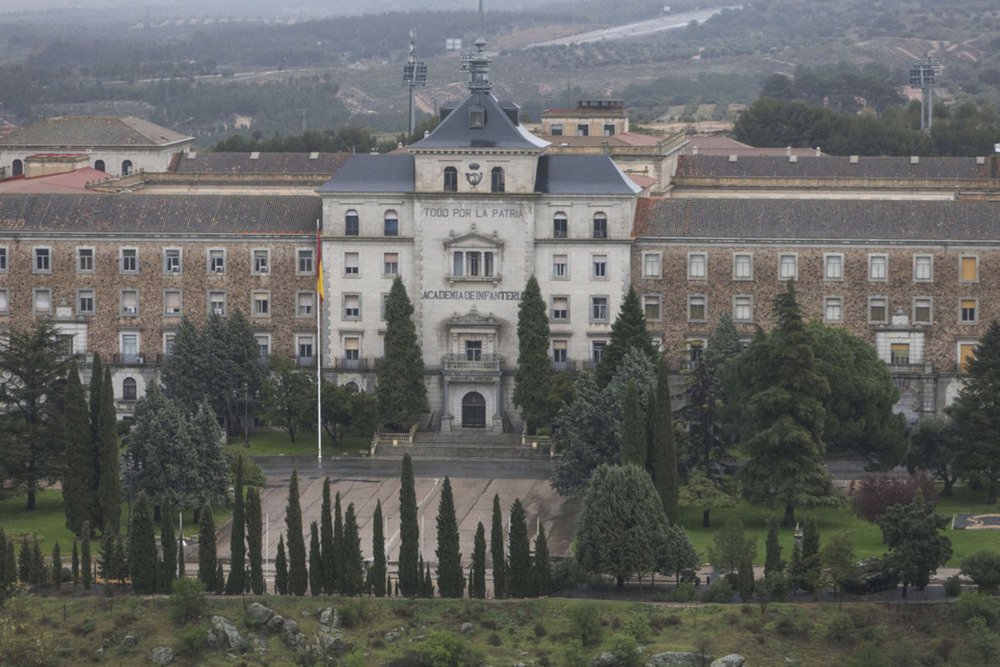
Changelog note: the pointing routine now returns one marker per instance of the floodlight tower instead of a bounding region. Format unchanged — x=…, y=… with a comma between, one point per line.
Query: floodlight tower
x=922, y=76
x=414, y=74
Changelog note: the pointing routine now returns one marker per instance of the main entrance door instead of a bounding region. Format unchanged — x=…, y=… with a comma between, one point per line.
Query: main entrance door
x=473, y=410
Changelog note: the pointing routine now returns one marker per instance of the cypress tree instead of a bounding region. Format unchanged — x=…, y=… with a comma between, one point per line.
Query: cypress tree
x=810, y=552
x=409, y=532
x=181, y=565
x=744, y=579
x=428, y=583
x=109, y=494
x=298, y=576
x=281, y=569
x=120, y=560
x=220, y=578
x=451, y=577
x=40, y=573
x=79, y=501
x=772, y=558
x=326, y=541
x=352, y=561
x=11, y=566
x=255, y=541
x=402, y=395
x=633, y=429
x=168, y=543
x=533, y=375
x=796, y=568
x=543, y=565
x=237, y=544
x=96, y=379
x=75, y=566
x=498, y=551
x=519, y=583
x=338, y=546
x=477, y=582
x=106, y=566
x=142, y=556
x=315, y=561
x=86, y=569
x=627, y=332
x=207, y=555
x=24, y=562
x=663, y=450
x=56, y=566
x=378, y=553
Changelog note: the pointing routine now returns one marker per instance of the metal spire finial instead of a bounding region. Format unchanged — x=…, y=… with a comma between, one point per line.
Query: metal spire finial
x=477, y=63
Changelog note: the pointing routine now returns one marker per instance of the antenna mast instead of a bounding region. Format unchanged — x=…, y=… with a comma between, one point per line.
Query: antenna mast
x=414, y=74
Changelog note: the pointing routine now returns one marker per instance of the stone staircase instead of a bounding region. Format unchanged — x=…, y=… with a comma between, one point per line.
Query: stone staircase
x=463, y=444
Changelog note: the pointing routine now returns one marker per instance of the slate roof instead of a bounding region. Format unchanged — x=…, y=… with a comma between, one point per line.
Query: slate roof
x=581, y=175
x=757, y=166
x=818, y=219
x=159, y=214
x=92, y=131
x=497, y=132
x=372, y=173
x=324, y=164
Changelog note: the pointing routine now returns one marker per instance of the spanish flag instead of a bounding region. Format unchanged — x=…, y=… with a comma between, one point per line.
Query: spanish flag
x=319, y=265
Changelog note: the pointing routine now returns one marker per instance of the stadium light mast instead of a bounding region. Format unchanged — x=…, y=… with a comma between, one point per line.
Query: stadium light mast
x=414, y=74
x=922, y=76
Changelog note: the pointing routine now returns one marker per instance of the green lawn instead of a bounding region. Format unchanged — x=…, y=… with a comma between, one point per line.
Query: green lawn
x=279, y=444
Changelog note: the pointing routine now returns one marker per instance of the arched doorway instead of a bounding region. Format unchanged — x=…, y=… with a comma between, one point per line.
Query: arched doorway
x=473, y=410
x=126, y=167
x=17, y=169
x=99, y=165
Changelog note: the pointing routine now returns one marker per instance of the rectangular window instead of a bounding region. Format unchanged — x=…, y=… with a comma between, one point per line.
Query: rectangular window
x=559, y=350
x=168, y=343
x=305, y=261
x=84, y=260
x=598, y=309
x=352, y=224
x=597, y=350
x=600, y=227
x=473, y=262
x=651, y=307
x=261, y=304
x=43, y=260
x=42, y=300
x=172, y=302
x=743, y=308
x=129, y=302
x=697, y=308
x=966, y=351
x=391, y=226
x=560, y=227
x=833, y=309
x=967, y=311
x=217, y=261
x=878, y=309
x=390, y=264
x=217, y=303
x=582, y=130
x=263, y=346
x=381, y=315
x=742, y=266
x=923, y=268
x=899, y=353
x=968, y=268
x=609, y=129
x=172, y=260
x=352, y=350
x=922, y=310
x=3, y=259
x=304, y=304
x=560, y=266
x=697, y=266
x=788, y=267
x=833, y=267
x=473, y=350
x=352, y=264
x=85, y=302
x=261, y=261
x=560, y=308
x=4, y=301
x=878, y=267
x=651, y=263
x=600, y=263
x=129, y=346
x=129, y=260
x=556, y=129
x=304, y=350
x=352, y=306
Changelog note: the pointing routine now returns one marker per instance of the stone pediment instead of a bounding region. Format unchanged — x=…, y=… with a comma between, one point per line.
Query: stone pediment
x=473, y=239
x=472, y=319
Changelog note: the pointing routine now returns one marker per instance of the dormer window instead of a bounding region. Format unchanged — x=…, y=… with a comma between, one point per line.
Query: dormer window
x=450, y=179
x=497, y=180
x=477, y=118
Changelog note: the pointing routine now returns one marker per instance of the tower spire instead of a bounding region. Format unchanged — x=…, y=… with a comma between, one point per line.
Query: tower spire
x=477, y=63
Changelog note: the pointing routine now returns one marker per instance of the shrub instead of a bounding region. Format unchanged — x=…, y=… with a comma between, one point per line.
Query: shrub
x=193, y=639
x=445, y=649
x=494, y=639
x=874, y=494
x=566, y=575
x=637, y=625
x=540, y=630
x=971, y=604
x=983, y=567
x=840, y=629
x=187, y=599
x=684, y=592
x=953, y=586
x=721, y=591
x=624, y=650
x=354, y=613
x=585, y=619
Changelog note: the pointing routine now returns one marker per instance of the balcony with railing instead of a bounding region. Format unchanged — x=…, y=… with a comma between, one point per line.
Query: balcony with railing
x=129, y=359
x=305, y=361
x=568, y=365
x=348, y=364
x=461, y=364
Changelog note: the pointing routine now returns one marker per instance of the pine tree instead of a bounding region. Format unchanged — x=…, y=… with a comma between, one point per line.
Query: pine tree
x=281, y=568
x=79, y=500
x=353, y=563
x=338, y=545
x=409, y=532
x=662, y=449
x=451, y=577
x=254, y=541
x=627, y=332
x=315, y=561
x=237, y=543
x=109, y=494
x=519, y=583
x=142, y=556
x=378, y=553
x=56, y=566
x=326, y=542
x=402, y=395
x=498, y=551
x=207, y=555
x=75, y=566
x=772, y=548
x=86, y=569
x=543, y=566
x=298, y=576
x=533, y=375
x=477, y=580
x=168, y=543
x=633, y=429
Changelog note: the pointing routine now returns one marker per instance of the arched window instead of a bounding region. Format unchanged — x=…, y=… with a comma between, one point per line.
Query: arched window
x=391, y=223
x=129, y=392
x=352, y=225
x=352, y=387
x=126, y=167
x=17, y=169
x=99, y=165
x=560, y=227
x=600, y=226
x=450, y=179
x=496, y=180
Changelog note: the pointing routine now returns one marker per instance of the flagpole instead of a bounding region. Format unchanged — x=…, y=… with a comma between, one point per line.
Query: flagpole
x=319, y=347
